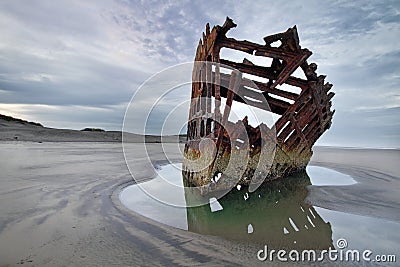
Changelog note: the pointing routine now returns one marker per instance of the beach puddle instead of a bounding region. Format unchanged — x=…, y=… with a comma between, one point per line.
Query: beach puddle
x=275, y=215
x=321, y=176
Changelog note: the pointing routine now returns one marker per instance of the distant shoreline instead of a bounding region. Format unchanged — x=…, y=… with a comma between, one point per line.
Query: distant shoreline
x=12, y=129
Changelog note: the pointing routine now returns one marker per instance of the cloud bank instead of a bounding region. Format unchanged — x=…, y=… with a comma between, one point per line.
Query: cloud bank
x=74, y=64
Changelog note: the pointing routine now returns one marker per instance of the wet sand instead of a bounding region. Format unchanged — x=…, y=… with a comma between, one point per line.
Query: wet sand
x=377, y=172
x=59, y=206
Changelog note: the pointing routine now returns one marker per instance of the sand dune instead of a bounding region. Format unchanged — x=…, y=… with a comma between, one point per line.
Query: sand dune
x=20, y=130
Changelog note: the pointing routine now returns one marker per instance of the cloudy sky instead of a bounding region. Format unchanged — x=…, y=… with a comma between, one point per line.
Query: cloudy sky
x=75, y=64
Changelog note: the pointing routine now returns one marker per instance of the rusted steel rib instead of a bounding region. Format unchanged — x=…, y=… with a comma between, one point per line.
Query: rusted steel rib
x=305, y=113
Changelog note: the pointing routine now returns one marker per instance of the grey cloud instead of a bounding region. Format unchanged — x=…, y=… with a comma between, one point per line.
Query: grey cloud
x=75, y=80
x=87, y=58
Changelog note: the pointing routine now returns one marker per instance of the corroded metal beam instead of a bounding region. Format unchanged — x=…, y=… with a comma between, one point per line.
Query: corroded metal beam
x=305, y=113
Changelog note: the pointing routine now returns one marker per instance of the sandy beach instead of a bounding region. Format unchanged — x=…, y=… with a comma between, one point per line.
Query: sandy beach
x=27, y=131
x=60, y=206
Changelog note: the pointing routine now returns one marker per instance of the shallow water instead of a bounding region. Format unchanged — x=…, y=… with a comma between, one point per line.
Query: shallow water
x=276, y=215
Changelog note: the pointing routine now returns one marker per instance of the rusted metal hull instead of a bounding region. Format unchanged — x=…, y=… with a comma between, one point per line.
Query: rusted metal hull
x=261, y=153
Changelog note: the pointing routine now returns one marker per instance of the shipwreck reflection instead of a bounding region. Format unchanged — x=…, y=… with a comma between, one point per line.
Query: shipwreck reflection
x=275, y=214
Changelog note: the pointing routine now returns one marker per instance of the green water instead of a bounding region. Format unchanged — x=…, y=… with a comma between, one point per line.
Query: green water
x=276, y=213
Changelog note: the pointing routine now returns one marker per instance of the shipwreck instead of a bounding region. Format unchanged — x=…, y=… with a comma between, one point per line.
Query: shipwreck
x=219, y=153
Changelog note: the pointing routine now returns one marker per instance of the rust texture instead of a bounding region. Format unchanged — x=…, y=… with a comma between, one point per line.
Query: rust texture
x=305, y=113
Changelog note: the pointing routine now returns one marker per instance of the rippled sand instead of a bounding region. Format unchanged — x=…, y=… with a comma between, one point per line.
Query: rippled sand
x=59, y=206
